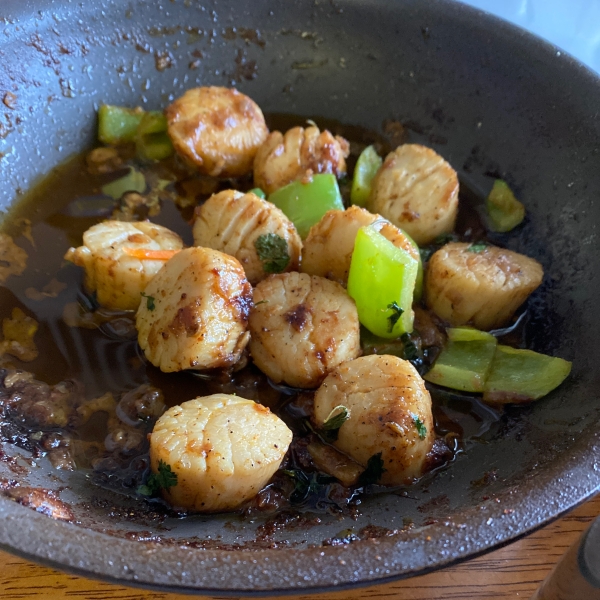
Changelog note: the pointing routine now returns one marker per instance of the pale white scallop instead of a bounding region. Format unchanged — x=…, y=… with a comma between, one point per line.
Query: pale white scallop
x=299, y=152
x=389, y=413
x=301, y=327
x=223, y=450
x=117, y=278
x=328, y=248
x=417, y=190
x=216, y=129
x=483, y=288
x=233, y=222
x=195, y=312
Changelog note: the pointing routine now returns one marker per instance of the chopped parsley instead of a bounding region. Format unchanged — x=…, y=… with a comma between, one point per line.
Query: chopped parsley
x=421, y=429
x=261, y=302
x=477, y=247
x=396, y=314
x=149, y=301
x=163, y=480
x=373, y=471
x=306, y=485
x=272, y=250
x=410, y=348
x=337, y=417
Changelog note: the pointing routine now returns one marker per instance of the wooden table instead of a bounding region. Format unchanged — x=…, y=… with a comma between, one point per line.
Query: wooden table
x=512, y=572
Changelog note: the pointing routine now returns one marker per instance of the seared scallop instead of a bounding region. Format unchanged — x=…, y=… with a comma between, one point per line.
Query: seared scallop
x=389, y=414
x=219, y=130
x=119, y=278
x=417, y=190
x=479, y=285
x=301, y=328
x=298, y=154
x=328, y=248
x=221, y=449
x=195, y=312
x=253, y=230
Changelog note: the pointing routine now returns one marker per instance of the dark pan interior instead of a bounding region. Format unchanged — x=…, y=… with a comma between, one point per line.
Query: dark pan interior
x=490, y=98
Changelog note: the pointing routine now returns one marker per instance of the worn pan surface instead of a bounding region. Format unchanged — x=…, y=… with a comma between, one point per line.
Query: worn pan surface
x=490, y=98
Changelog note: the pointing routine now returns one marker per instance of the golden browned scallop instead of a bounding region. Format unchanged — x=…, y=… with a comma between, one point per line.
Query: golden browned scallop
x=327, y=250
x=417, y=190
x=118, y=278
x=389, y=412
x=300, y=152
x=222, y=450
x=253, y=230
x=195, y=312
x=219, y=130
x=479, y=286
x=302, y=327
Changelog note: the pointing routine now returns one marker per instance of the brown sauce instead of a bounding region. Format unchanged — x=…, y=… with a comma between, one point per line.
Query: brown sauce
x=106, y=358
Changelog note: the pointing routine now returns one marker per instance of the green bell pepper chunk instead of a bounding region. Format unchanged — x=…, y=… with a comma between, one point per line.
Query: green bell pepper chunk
x=258, y=192
x=382, y=282
x=367, y=165
x=523, y=375
x=306, y=203
x=117, y=124
x=134, y=181
x=151, y=140
x=504, y=210
x=465, y=361
x=420, y=273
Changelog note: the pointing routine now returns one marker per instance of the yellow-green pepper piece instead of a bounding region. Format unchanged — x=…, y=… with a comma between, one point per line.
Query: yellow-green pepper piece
x=305, y=203
x=151, y=140
x=504, y=210
x=258, y=192
x=523, y=375
x=382, y=283
x=465, y=361
x=420, y=273
x=367, y=165
x=117, y=124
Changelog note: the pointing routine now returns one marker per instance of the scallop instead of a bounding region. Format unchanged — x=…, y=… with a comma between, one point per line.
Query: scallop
x=328, y=248
x=195, y=313
x=222, y=450
x=236, y=223
x=479, y=285
x=389, y=415
x=216, y=129
x=117, y=278
x=417, y=190
x=298, y=154
x=302, y=327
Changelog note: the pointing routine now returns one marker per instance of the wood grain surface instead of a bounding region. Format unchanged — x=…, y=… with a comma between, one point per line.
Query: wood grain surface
x=511, y=572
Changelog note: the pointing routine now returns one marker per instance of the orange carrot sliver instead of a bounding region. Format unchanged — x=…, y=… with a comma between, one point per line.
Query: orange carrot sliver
x=145, y=254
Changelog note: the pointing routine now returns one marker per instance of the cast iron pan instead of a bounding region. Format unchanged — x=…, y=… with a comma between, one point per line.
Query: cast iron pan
x=492, y=99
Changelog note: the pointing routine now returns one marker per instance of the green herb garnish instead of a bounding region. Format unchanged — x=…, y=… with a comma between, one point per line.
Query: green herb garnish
x=163, y=480
x=306, y=485
x=272, y=250
x=373, y=471
x=337, y=417
x=421, y=429
x=396, y=314
x=477, y=247
x=261, y=302
x=149, y=301
x=410, y=348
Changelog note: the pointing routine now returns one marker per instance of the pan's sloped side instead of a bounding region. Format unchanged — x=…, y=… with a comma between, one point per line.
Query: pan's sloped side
x=491, y=99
